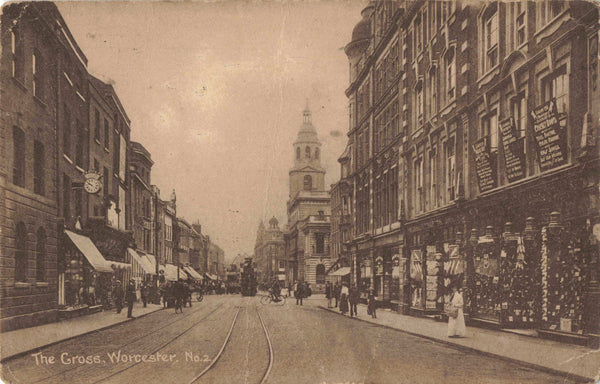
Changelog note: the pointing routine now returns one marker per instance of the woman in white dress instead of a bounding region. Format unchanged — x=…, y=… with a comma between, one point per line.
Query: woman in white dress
x=456, y=325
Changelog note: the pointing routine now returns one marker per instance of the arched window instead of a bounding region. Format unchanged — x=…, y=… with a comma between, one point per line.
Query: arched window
x=317, y=153
x=308, y=183
x=307, y=150
x=40, y=255
x=320, y=274
x=298, y=153
x=21, y=252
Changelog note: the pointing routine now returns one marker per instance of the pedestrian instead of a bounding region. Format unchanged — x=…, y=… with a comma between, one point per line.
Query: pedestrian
x=344, y=299
x=178, y=292
x=306, y=290
x=144, y=291
x=353, y=298
x=130, y=298
x=299, y=293
x=336, y=293
x=117, y=295
x=371, y=305
x=456, y=317
x=188, y=294
x=328, y=293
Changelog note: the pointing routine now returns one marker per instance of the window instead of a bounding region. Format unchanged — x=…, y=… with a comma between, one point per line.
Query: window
x=67, y=132
x=489, y=127
x=490, y=38
x=450, y=74
x=79, y=149
x=66, y=197
x=317, y=154
x=97, y=122
x=320, y=243
x=556, y=86
x=117, y=153
x=18, y=157
x=450, y=150
x=96, y=165
x=18, y=62
x=418, y=177
x=433, y=92
x=298, y=153
x=520, y=25
x=105, y=179
x=21, y=252
x=106, y=134
x=548, y=10
x=39, y=167
x=40, y=255
x=38, y=72
x=307, y=182
x=432, y=178
x=518, y=106
x=320, y=274
x=78, y=202
x=419, y=102
x=307, y=152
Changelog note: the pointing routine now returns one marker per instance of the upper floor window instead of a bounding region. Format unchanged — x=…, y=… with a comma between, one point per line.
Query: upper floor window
x=67, y=132
x=298, y=153
x=490, y=37
x=307, y=152
x=556, y=86
x=21, y=252
x=106, y=134
x=66, y=197
x=39, y=167
x=38, y=73
x=450, y=166
x=489, y=127
x=320, y=242
x=16, y=48
x=432, y=91
x=317, y=154
x=419, y=102
x=97, y=125
x=18, y=157
x=547, y=10
x=80, y=144
x=450, y=61
x=520, y=23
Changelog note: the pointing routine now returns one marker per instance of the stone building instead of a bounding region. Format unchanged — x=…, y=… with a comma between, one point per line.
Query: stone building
x=308, y=211
x=476, y=159
x=269, y=252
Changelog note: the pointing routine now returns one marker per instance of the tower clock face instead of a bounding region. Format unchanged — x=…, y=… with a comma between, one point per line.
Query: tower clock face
x=92, y=185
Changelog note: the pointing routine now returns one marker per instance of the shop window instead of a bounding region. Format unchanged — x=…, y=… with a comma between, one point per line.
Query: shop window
x=490, y=37
x=307, y=182
x=320, y=274
x=21, y=252
x=67, y=132
x=39, y=167
x=40, y=255
x=18, y=157
x=66, y=197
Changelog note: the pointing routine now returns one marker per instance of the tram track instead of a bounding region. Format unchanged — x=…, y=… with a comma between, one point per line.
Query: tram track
x=226, y=342
x=154, y=331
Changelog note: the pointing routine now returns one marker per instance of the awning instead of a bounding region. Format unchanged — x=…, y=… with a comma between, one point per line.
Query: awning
x=142, y=261
x=192, y=272
x=118, y=265
x=340, y=272
x=212, y=277
x=170, y=272
x=91, y=253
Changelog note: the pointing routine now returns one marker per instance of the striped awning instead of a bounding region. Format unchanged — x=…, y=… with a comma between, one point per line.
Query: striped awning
x=142, y=261
x=192, y=273
x=91, y=253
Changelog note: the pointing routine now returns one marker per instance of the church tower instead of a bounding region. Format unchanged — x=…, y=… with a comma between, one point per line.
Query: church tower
x=307, y=174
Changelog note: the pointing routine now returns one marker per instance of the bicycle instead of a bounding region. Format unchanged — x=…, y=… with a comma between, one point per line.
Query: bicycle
x=199, y=295
x=268, y=299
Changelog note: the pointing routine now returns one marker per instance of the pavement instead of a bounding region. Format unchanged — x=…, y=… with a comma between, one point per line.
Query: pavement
x=22, y=341
x=550, y=356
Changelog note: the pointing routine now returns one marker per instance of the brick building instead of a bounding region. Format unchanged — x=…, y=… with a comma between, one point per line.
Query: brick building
x=476, y=161
x=269, y=252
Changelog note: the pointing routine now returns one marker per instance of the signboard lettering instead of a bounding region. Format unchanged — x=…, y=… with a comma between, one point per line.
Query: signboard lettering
x=549, y=136
x=513, y=150
x=484, y=164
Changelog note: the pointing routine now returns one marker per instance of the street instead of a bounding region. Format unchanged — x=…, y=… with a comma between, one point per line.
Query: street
x=222, y=340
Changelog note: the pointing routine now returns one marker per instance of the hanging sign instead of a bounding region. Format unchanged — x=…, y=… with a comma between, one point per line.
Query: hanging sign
x=549, y=136
x=484, y=164
x=513, y=150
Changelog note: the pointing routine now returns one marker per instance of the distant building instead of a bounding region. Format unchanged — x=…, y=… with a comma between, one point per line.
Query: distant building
x=269, y=252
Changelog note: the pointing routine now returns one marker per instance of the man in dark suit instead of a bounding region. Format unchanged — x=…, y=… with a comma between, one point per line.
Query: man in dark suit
x=353, y=298
x=117, y=295
x=130, y=298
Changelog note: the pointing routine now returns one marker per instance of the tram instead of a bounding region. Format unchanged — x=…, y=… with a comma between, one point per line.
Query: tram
x=248, y=277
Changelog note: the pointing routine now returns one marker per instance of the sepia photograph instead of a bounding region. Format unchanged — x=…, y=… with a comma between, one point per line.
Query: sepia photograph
x=300, y=191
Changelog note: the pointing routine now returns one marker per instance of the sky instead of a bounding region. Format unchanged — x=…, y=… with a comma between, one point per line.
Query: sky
x=215, y=91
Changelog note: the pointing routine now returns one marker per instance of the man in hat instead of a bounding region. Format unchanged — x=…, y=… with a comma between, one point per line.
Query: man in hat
x=117, y=295
x=130, y=298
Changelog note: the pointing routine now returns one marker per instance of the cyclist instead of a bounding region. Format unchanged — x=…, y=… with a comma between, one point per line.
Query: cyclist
x=275, y=291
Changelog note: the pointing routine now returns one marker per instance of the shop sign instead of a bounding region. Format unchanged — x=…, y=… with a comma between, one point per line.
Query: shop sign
x=550, y=137
x=514, y=158
x=484, y=164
